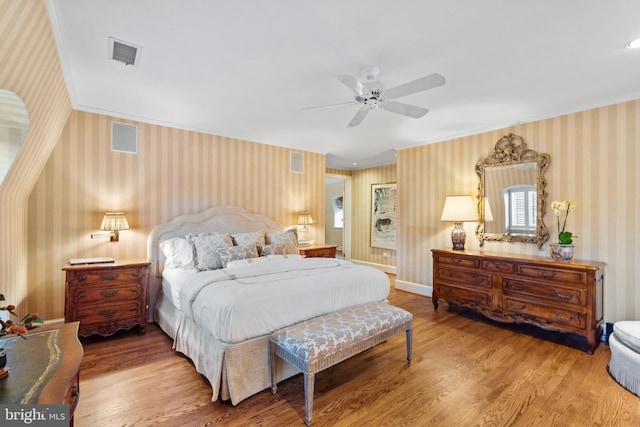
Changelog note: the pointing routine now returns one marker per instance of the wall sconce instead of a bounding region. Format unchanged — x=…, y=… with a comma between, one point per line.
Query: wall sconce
x=458, y=209
x=304, y=220
x=112, y=223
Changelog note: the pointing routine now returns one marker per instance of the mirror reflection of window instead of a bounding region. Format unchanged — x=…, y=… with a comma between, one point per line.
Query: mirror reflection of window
x=520, y=203
x=14, y=126
x=338, y=211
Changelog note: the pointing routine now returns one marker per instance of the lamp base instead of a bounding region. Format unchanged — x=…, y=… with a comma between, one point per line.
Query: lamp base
x=458, y=237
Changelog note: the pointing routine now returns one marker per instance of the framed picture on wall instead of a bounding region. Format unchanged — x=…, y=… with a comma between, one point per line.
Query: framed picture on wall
x=383, y=216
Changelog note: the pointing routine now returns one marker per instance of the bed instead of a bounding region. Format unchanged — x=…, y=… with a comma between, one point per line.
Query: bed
x=221, y=307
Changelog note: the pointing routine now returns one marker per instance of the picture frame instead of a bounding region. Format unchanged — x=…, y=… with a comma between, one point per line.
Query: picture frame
x=383, y=215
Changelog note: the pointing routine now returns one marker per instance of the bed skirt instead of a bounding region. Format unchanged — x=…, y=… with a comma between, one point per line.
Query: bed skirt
x=235, y=371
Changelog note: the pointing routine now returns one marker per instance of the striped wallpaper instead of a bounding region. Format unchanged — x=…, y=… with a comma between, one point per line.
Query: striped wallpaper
x=30, y=68
x=594, y=160
x=175, y=172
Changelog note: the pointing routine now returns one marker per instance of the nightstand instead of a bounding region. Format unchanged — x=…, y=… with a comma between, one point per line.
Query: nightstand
x=318, y=251
x=107, y=297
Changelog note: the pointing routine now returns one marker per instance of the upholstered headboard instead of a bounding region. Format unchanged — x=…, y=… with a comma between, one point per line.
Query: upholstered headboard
x=226, y=219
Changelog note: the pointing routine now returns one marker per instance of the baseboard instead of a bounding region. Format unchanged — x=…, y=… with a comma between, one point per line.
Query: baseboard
x=391, y=269
x=414, y=288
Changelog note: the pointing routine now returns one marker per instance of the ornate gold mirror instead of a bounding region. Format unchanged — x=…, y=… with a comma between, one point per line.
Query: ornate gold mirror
x=512, y=193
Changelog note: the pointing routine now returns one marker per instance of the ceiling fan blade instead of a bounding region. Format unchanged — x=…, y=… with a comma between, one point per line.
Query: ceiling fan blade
x=357, y=119
x=322, y=107
x=424, y=83
x=354, y=84
x=405, y=109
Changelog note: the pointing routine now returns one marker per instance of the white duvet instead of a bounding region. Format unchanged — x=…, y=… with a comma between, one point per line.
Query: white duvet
x=244, y=300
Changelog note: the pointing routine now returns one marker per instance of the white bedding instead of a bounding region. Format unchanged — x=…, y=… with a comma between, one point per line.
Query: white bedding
x=247, y=300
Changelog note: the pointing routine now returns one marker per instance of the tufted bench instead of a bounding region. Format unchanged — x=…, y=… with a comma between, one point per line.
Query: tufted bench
x=624, y=365
x=319, y=343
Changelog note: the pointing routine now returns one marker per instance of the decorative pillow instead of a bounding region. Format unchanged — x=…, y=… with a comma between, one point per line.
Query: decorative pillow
x=275, y=249
x=244, y=239
x=204, y=245
x=289, y=238
x=233, y=253
x=178, y=253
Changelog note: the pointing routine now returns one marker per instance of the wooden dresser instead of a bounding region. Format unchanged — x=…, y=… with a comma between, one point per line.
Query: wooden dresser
x=318, y=251
x=107, y=297
x=558, y=296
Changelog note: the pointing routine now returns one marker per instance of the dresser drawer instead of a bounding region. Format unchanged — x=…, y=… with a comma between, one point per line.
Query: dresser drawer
x=550, y=292
x=464, y=296
x=111, y=293
x=468, y=278
x=554, y=315
x=458, y=261
x=109, y=275
x=550, y=273
x=323, y=253
x=101, y=313
x=498, y=266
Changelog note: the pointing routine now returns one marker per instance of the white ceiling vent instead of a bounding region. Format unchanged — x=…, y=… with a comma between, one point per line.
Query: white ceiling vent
x=297, y=162
x=124, y=52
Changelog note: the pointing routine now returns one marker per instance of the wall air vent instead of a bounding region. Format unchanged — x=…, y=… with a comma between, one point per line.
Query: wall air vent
x=297, y=162
x=124, y=138
x=124, y=52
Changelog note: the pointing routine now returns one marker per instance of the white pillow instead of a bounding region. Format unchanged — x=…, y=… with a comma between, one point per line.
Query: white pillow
x=205, y=245
x=178, y=253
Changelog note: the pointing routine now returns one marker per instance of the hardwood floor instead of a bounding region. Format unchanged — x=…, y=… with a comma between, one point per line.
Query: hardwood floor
x=466, y=371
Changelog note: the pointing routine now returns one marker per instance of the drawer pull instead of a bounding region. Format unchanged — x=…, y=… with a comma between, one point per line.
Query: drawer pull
x=519, y=287
x=545, y=273
x=108, y=313
x=136, y=274
x=80, y=277
x=109, y=276
x=518, y=307
x=564, y=319
x=564, y=297
x=81, y=295
x=108, y=292
x=456, y=261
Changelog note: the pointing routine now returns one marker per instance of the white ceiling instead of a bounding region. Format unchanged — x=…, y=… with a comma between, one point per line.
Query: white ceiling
x=247, y=69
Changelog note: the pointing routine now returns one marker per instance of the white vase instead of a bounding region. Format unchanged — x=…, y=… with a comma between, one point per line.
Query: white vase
x=561, y=252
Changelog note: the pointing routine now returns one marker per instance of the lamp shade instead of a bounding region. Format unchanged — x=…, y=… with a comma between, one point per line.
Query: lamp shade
x=459, y=209
x=114, y=221
x=305, y=219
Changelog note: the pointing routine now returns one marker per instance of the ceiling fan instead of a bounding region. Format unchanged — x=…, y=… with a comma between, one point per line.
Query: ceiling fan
x=371, y=94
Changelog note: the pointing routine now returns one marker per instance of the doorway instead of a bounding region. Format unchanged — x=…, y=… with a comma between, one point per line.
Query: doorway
x=338, y=213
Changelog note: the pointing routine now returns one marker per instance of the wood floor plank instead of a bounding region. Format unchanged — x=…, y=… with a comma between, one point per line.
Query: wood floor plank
x=466, y=371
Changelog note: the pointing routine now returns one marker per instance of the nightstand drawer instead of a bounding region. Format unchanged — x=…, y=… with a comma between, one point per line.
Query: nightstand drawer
x=109, y=275
x=92, y=314
x=89, y=294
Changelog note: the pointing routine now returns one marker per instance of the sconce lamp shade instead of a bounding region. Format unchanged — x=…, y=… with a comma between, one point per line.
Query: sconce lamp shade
x=305, y=219
x=112, y=223
x=458, y=209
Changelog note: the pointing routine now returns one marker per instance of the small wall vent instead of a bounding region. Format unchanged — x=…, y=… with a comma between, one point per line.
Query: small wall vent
x=124, y=52
x=297, y=162
x=124, y=138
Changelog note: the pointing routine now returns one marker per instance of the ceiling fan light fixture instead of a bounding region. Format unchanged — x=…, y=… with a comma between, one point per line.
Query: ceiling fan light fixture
x=634, y=44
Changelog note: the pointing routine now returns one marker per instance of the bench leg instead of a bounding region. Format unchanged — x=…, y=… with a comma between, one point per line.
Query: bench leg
x=274, y=376
x=309, y=381
x=409, y=343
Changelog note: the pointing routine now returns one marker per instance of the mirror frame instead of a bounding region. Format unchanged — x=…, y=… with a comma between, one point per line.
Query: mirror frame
x=510, y=150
